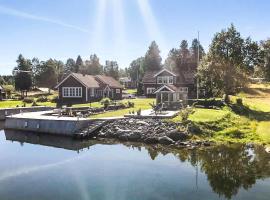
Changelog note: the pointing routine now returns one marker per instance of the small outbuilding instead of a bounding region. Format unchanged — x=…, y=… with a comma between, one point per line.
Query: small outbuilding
x=171, y=96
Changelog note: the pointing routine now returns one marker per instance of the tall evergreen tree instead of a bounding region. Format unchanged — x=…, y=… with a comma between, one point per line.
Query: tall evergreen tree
x=69, y=66
x=23, y=75
x=152, y=59
x=78, y=64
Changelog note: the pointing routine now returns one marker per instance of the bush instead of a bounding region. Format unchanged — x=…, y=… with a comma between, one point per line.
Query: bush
x=42, y=99
x=105, y=102
x=209, y=103
x=239, y=101
x=28, y=100
x=130, y=104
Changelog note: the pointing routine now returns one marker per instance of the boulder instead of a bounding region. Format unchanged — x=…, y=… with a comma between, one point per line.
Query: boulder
x=151, y=140
x=134, y=136
x=142, y=123
x=165, y=140
x=177, y=135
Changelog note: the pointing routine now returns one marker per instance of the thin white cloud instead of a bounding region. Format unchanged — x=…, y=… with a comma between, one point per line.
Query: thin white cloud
x=20, y=14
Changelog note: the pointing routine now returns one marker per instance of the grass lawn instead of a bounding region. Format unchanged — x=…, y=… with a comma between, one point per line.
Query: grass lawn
x=140, y=103
x=263, y=130
x=207, y=115
x=130, y=91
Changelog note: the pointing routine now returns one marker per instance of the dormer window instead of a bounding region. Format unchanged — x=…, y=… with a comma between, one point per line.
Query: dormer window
x=165, y=79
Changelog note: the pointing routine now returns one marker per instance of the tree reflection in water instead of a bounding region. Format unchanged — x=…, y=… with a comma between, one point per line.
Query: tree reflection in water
x=228, y=168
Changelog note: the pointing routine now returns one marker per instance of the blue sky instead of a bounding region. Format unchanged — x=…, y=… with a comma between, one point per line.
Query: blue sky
x=118, y=30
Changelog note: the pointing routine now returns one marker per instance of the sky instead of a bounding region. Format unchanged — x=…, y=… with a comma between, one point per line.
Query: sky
x=119, y=30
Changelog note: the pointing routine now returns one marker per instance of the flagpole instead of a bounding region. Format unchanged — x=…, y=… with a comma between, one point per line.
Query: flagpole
x=198, y=61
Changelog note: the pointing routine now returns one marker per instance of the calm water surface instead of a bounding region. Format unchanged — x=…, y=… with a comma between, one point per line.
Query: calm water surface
x=45, y=167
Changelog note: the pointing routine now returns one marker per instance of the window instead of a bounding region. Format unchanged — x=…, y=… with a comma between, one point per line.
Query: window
x=165, y=79
x=170, y=79
x=72, y=92
x=117, y=91
x=184, y=89
x=150, y=90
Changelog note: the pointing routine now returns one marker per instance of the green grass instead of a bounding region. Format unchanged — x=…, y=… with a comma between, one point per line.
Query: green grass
x=207, y=115
x=263, y=130
x=11, y=104
x=141, y=103
x=131, y=91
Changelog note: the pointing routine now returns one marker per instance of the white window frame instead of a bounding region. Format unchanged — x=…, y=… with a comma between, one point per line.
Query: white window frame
x=72, y=92
x=165, y=80
x=159, y=80
x=150, y=90
x=117, y=91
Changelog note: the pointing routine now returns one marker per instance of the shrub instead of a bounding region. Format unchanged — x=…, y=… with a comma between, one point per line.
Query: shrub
x=42, y=99
x=105, y=102
x=208, y=103
x=130, y=104
x=239, y=101
x=185, y=113
x=28, y=100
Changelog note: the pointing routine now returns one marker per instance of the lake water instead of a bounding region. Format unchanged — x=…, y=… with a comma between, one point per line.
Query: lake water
x=41, y=167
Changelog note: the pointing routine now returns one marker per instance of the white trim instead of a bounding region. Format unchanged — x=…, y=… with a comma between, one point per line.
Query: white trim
x=76, y=92
x=162, y=87
x=163, y=71
x=71, y=74
x=150, y=90
x=86, y=94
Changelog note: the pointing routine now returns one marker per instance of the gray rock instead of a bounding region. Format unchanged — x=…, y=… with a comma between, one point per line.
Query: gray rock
x=151, y=140
x=267, y=149
x=165, y=140
x=142, y=123
x=177, y=135
x=134, y=136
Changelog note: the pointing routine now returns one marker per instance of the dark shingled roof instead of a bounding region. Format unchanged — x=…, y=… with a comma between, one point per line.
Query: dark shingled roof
x=149, y=76
x=110, y=81
x=87, y=80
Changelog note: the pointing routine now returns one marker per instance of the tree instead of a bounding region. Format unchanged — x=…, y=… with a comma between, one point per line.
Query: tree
x=23, y=75
x=184, y=51
x=111, y=69
x=135, y=70
x=224, y=66
x=35, y=69
x=78, y=64
x=194, y=51
x=265, y=47
x=47, y=76
x=69, y=66
x=173, y=59
x=152, y=59
x=92, y=66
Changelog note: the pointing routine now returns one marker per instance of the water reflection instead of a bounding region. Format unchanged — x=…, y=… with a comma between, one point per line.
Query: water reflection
x=227, y=168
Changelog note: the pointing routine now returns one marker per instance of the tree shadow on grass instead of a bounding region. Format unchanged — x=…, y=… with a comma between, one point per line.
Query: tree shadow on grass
x=244, y=110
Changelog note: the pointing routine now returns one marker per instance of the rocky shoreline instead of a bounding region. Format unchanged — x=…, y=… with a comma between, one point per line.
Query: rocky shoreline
x=152, y=131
